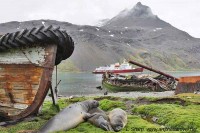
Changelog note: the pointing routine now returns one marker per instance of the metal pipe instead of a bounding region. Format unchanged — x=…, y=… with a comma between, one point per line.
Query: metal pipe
x=56, y=90
x=52, y=95
x=154, y=70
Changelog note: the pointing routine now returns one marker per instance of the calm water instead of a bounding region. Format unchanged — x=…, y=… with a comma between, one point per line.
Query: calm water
x=78, y=83
x=86, y=83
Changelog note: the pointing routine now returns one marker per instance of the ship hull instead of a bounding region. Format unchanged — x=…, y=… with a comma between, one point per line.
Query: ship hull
x=118, y=71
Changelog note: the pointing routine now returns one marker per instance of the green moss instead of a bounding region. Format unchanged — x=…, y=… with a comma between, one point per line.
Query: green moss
x=190, y=97
x=107, y=105
x=138, y=125
x=85, y=128
x=135, y=124
x=23, y=126
x=172, y=115
x=113, y=98
x=169, y=115
x=68, y=66
x=77, y=99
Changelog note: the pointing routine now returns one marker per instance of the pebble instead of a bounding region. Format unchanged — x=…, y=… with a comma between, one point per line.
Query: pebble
x=129, y=94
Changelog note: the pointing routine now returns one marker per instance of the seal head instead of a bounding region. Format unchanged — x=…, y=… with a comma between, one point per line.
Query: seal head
x=90, y=104
x=118, y=119
x=117, y=127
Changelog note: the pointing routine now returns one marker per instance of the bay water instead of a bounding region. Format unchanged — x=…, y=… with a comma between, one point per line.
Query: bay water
x=86, y=83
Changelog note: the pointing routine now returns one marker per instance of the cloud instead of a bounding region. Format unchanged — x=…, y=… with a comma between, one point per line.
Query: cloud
x=182, y=14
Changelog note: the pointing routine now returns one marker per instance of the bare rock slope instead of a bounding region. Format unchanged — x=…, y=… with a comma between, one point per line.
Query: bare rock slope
x=135, y=34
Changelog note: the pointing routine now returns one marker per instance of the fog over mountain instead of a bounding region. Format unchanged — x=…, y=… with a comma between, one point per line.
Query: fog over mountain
x=139, y=16
x=135, y=34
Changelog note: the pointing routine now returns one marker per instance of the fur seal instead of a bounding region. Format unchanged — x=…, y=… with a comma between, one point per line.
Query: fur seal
x=100, y=119
x=70, y=117
x=118, y=119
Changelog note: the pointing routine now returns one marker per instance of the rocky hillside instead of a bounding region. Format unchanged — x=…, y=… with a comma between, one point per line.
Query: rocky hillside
x=135, y=34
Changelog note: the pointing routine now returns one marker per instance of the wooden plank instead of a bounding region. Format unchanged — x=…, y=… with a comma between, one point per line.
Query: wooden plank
x=10, y=111
x=24, y=86
x=6, y=101
x=18, y=84
x=34, y=55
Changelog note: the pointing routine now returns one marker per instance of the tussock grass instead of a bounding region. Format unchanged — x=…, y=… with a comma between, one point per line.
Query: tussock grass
x=170, y=116
x=108, y=105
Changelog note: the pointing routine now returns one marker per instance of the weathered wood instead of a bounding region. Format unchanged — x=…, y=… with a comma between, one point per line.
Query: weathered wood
x=24, y=79
x=34, y=55
x=190, y=84
x=27, y=59
x=19, y=85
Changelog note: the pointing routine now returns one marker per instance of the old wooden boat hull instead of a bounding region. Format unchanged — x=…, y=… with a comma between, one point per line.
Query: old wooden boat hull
x=23, y=87
x=118, y=88
x=120, y=83
x=127, y=88
x=26, y=70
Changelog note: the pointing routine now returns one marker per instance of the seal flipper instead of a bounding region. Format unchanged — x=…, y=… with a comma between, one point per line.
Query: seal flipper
x=87, y=116
x=110, y=127
x=106, y=126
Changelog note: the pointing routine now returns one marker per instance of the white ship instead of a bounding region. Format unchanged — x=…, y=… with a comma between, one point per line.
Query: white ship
x=125, y=67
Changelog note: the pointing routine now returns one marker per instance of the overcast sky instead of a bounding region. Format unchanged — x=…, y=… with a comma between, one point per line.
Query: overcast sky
x=183, y=14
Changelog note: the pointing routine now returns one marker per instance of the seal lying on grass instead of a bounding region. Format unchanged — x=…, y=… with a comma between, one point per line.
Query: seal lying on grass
x=70, y=117
x=118, y=119
x=100, y=119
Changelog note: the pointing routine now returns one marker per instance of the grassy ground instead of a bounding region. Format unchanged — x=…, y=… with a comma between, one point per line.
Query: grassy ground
x=179, y=114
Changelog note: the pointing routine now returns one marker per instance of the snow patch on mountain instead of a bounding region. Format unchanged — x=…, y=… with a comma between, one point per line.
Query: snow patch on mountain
x=43, y=23
x=97, y=29
x=156, y=29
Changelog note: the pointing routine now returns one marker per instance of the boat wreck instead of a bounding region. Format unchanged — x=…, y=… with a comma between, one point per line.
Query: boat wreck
x=27, y=60
x=162, y=82
x=186, y=84
x=117, y=83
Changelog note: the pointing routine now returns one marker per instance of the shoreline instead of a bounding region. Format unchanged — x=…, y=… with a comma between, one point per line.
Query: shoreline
x=122, y=95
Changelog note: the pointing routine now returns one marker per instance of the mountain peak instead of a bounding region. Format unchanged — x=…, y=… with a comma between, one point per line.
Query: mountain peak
x=140, y=10
x=139, y=4
x=139, y=16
